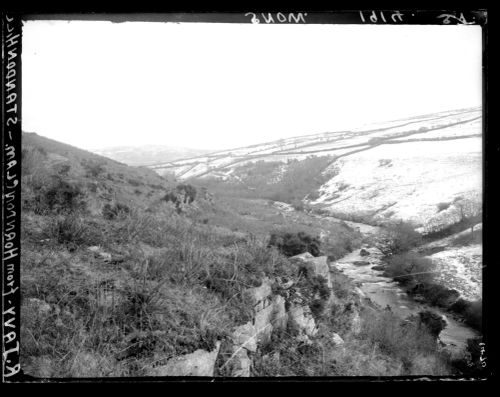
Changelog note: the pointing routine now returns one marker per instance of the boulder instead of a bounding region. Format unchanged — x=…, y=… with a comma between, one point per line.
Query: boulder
x=337, y=339
x=355, y=322
x=246, y=337
x=364, y=252
x=240, y=363
x=361, y=263
x=199, y=363
x=378, y=267
x=270, y=317
x=302, y=319
x=39, y=305
x=259, y=296
x=318, y=265
x=303, y=256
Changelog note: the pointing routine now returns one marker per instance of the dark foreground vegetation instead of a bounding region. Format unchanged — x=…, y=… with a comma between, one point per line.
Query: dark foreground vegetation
x=123, y=270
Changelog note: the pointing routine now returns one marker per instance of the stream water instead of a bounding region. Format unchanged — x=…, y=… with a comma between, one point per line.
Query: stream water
x=386, y=292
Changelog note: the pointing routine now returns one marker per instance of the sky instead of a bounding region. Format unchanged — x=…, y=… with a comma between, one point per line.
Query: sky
x=97, y=84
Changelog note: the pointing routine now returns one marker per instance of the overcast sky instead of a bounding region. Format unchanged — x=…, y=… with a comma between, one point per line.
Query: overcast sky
x=218, y=86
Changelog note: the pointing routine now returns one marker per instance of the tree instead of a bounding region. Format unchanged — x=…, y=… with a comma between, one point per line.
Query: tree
x=469, y=211
x=399, y=237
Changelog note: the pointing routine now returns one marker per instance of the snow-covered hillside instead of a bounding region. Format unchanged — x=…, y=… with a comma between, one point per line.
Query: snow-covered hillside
x=459, y=265
x=415, y=169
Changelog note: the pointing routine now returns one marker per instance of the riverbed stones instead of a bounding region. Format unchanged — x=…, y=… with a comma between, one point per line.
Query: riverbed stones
x=363, y=252
x=361, y=263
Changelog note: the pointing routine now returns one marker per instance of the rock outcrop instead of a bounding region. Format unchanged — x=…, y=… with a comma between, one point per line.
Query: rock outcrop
x=302, y=320
x=318, y=265
x=199, y=363
x=269, y=311
x=276, y=305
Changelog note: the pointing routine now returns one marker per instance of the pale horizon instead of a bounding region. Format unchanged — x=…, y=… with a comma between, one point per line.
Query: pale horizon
x=97, y=85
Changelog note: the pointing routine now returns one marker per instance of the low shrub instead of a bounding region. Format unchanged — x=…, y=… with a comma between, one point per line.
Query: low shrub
x=94, y=169
x=55, y=195
x=405, y=340
x=110, y=212
x=71, y=231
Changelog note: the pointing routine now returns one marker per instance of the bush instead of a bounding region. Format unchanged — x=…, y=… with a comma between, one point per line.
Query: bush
x=472, y=312
x=110, y=212
x=291, y=244
x=94, y=169
x=71, y=231
x=406, y=340
x=297, y=205
x=437, y=295
x=188, y=192
x=183, y=194
x=56, y=196
x=432, y=321
x=410, y=268
x=399, y=237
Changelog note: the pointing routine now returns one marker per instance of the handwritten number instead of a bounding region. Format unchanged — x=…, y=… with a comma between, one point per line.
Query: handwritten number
x=461, y=19
x=396, y=16
x=254, y=17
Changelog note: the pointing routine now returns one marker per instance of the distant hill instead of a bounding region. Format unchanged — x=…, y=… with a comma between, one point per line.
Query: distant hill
x=148, y=154
x=405, y=169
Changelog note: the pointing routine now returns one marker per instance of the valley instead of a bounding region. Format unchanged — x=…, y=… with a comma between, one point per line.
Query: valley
x=355, y=253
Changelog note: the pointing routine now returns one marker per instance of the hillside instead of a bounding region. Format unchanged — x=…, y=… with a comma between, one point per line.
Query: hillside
x=459, y=258
x=406, y=169
x=148, y=154
x=104, y=180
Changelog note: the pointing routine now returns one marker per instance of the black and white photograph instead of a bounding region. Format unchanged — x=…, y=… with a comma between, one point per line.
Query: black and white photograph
x=252, y=195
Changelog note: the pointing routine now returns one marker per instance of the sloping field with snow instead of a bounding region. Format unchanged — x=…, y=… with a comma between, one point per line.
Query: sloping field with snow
x=402, y=169
x=461, y=268
x=405, y=181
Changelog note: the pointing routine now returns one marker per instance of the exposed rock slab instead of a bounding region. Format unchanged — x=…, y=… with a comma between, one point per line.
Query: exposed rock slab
x=199, y=363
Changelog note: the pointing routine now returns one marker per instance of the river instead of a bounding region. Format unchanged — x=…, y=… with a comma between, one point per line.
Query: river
x=386, y=292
